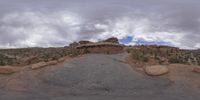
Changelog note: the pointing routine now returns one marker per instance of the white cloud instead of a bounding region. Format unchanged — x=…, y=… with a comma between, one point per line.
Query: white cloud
x=31, y=29
x=38, y=29
x=141, y=29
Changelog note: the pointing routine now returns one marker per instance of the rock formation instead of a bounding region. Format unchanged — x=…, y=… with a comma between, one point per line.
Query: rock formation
x=112, y=40
x=108, y=46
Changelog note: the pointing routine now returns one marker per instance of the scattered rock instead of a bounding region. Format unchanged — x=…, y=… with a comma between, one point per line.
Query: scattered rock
x=156, y=70
x=38, y=65
x=6, y=70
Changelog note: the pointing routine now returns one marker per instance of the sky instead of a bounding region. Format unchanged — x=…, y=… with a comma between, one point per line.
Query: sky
x=55, y=23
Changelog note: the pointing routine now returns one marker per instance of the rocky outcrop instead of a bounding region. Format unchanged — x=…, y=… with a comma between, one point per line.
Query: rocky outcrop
x=112, y=40
x=156, y=70
x=106, y=48
x=84, y=42
x=7, y=70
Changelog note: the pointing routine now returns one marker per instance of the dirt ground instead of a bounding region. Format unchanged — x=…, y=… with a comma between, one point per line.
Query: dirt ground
x=99, y=77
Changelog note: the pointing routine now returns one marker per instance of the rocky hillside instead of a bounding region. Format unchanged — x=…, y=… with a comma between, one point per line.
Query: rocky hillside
x=163, y=55
x=149, y=54
x=27, y=56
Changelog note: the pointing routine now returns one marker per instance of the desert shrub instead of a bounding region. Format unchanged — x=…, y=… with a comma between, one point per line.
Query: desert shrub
x=86, y=51
x=4, y=60
x=137, y=55
x=2, y=63
x=73, y=52
x=145, y=59
x=128, y=49
x=174, y=59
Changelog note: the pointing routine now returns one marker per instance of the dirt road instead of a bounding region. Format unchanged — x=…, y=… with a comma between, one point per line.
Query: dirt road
x=91, y=77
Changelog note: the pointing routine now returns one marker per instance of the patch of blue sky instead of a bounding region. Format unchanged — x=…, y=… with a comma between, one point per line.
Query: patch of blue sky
x=129, y=39
x=143, y=42
x=126, y=40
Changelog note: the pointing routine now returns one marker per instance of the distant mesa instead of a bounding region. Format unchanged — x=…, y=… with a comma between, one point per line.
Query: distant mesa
x=85, y=42
x=112, y=40
x=108, y=46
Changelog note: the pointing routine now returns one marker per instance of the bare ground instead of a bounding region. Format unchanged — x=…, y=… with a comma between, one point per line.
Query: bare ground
x=97, y=77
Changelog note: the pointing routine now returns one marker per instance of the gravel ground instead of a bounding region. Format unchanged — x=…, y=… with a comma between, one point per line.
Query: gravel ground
x=91, y=77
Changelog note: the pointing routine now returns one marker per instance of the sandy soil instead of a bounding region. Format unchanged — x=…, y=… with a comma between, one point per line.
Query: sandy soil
x=97, y=77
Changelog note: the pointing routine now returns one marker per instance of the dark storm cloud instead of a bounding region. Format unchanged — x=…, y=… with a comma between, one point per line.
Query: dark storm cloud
x=58, y=22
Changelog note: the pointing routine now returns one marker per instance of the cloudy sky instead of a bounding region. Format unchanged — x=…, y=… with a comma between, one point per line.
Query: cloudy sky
x=46, y=23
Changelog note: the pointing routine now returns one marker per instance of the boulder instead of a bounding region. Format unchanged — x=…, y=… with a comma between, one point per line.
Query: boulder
x=38, y=65
x=6, y=70
x=54, y=62
x=156, y=70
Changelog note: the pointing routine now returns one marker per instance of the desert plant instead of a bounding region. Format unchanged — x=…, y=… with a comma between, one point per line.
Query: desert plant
x=174, y=59
x=137, y=55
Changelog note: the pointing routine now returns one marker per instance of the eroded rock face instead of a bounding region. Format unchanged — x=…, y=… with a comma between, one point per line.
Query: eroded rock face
x=6, y=70
x=156, y=70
